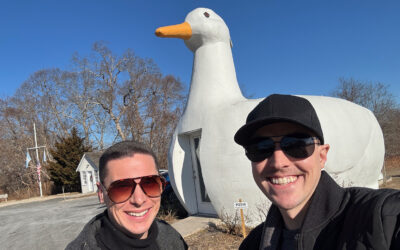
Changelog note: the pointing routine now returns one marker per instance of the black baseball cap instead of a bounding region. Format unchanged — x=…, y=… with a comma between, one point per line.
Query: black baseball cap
x=279, y=108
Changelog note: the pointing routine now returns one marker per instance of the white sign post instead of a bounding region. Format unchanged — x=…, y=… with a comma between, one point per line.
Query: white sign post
x=241, y=205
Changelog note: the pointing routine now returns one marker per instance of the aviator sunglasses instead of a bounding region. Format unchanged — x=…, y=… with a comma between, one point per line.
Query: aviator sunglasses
x=298, y=146
x=121, y=190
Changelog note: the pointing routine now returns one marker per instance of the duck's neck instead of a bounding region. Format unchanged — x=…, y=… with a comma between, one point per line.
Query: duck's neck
x=213, y=77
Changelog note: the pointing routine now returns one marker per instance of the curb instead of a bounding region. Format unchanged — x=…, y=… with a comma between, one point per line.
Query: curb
x=45, y=198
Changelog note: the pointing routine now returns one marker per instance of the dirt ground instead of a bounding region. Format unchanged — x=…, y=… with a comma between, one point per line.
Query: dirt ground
x=392, y=171
x=393, y=181
x=213, y=238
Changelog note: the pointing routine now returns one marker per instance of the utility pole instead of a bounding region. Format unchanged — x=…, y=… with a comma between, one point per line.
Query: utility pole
x=38, y=166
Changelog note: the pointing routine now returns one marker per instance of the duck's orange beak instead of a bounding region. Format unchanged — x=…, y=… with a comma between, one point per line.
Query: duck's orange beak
x=183, y=31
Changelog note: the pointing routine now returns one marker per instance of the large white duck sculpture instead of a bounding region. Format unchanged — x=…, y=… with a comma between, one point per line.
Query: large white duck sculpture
x=208, y=170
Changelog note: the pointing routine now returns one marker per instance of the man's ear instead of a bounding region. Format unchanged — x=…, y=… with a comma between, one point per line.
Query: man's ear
x=100, y=193
x=323, y=154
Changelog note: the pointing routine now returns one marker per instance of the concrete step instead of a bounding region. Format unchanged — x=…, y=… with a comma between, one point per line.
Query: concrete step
x=194, y=224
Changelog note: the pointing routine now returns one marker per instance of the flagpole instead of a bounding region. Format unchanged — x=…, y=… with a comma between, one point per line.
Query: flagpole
x=38, y=167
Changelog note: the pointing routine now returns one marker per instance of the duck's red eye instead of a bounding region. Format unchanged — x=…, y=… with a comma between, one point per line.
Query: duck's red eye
x=206, y=14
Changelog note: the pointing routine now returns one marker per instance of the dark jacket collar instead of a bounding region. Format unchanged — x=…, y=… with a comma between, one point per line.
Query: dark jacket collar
x=325, y=203
x=113, y=238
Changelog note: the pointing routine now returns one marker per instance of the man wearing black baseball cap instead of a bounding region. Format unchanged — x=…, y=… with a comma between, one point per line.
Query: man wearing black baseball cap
x=284, y=141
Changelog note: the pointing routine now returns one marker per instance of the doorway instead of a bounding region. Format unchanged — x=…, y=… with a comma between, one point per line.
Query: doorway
x=90, y=182
x=204, y=205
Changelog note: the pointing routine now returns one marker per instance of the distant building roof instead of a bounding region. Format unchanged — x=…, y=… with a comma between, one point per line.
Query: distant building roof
x=94, y=157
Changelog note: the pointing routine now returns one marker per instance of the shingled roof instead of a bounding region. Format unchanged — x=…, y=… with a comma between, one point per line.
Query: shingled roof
x=93, y=158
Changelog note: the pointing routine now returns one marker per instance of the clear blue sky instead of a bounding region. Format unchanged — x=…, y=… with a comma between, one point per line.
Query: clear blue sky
x=298, y=47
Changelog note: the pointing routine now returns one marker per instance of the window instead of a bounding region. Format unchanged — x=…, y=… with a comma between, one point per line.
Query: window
x=96, y=174
x=84, y=178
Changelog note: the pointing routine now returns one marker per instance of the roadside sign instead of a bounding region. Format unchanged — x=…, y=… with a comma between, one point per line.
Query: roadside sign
x=240, y=205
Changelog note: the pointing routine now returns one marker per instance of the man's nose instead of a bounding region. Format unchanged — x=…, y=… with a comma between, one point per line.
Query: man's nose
x=278, y=158
x=138, y=197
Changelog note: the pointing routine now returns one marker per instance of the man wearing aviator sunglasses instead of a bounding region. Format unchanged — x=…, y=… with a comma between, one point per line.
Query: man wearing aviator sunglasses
x=284, y=141
x=131, y=188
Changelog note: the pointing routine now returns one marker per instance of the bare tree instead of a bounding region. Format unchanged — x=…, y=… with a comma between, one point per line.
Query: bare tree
x=131, y=91
x=378, y=98
x=16, y=136
x=164, y=111
x=51, y=99
x=107, y=97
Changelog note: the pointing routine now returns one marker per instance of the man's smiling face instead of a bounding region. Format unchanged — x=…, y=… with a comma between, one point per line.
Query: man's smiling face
x=135, y=215
x=288, y=182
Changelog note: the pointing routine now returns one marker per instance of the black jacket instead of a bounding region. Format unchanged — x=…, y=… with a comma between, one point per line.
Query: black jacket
x=338, y=218
x=166, y=236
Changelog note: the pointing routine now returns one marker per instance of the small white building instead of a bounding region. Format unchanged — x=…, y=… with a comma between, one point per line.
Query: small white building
x=88, y=169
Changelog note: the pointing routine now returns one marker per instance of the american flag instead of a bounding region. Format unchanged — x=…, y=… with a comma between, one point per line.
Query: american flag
x=38, y=168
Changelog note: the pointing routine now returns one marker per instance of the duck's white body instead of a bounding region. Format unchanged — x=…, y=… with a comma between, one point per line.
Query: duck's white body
x=216, y=109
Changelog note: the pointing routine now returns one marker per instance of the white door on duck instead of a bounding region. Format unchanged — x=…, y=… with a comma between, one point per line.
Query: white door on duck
x=204, y=205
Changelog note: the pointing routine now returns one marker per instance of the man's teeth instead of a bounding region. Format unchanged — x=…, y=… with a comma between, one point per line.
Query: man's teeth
x=283, y=180
x=138, y=214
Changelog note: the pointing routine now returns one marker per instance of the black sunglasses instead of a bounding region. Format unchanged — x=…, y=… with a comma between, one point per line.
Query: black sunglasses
x=298, y=146
x=121, y=190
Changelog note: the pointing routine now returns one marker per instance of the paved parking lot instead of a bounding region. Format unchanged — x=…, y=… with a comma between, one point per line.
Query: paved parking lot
x=49, y=224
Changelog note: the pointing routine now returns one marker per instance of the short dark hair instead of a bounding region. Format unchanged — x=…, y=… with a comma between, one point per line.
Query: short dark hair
x=120, y=150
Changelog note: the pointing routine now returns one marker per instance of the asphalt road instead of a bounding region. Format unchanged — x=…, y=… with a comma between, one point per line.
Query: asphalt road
x=49, y=224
